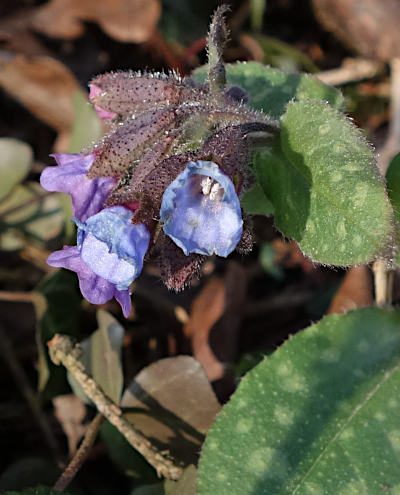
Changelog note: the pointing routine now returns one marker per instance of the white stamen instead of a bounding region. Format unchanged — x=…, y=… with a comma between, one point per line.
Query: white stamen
x=206, y=185
x=215, y=190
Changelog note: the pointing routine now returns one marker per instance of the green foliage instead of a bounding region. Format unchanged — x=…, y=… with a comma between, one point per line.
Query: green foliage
x=57, y=306
x=320, y=415
x=270, y=90
x=15, y=163
x=325, y=188
x=27, y=216
x=393, y=187
x=256, y=202
x=257, y=9
x=87, y=127
x=124, y=456
x=29, y=471
x=101, y=356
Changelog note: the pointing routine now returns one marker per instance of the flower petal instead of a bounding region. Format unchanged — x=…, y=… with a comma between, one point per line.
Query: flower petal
x=88, y=195
x=199, y=216
x=94, y=288
x=113, y=247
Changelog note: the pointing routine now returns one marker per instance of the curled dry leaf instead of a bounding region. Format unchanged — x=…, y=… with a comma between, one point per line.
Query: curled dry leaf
x=45, y=86
x=125, y=20
x=70, y=412
x=354, y=292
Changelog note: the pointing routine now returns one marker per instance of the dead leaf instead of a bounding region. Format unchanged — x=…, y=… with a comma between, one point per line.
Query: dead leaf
x=16, y=35
x=206, y=310
x=45, y=86
x=174, y=404
x=125, y=20
x=354, y=292
x=289, y=255
x=70, y=412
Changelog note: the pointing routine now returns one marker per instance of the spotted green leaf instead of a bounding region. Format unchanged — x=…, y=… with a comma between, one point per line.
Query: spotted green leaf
x=270, y=90
x=325, y=188
x=319, y=416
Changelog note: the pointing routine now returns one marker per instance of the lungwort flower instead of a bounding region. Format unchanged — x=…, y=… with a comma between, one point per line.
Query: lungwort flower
x=201, y=210
x=110, y=249
x=108, y=256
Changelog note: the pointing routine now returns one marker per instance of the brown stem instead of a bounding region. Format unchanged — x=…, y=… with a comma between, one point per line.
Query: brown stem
x=81, y=455
x=62, y=351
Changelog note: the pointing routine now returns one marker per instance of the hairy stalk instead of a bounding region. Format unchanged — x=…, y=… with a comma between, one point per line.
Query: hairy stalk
x=216, y=41
x=63, y=351
x=81, y=455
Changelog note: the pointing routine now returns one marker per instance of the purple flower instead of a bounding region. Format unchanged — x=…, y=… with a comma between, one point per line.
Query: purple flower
x=201, y=210
x=88, y=195
x=108, y=257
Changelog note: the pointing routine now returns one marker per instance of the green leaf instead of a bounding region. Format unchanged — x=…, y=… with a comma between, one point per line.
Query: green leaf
x=270, y=90
x=320, y=415
x=15, y=163
x=326, y=190
x=101, y=356
x=31, y=217
x=257, y=9
x=128, y=460
x=393, y=187
x=283, y=55
x=256, y=202
x=58, y=309
x=87, y=126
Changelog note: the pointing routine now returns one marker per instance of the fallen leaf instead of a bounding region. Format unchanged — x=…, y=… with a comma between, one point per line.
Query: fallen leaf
x=70, y=412
x=174, y=404
x=45, y=86
x=354, y=292
x=16, y=34
x=206, y=310
x=125, y=20
x=289, y=255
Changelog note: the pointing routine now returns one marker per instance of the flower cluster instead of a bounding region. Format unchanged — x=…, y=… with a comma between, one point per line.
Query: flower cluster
x=163, y=183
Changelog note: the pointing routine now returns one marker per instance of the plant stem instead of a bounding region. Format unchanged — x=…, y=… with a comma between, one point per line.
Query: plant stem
x=62, y=351
x=81, y=455
x=383, y=280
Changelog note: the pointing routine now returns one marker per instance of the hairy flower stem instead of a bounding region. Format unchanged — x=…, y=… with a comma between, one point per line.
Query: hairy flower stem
x=63, y=351
x=216, y=40
x=383, y=280
x=81, y=455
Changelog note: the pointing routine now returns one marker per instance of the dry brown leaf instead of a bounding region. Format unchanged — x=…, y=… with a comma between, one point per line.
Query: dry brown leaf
x=45, y=86
x=206, y=310
x=289, y=254
x=354, y=292
x=70, y=412
x=172, y=402
x=125, y=20
x=16, y=35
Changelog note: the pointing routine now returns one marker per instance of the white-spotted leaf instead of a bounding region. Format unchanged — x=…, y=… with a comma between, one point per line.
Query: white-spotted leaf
x=319, y=416
x=325, y=188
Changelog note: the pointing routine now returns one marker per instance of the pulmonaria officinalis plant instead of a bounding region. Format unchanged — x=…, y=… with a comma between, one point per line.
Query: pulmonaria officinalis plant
x=177, y=155
x=182, y=153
